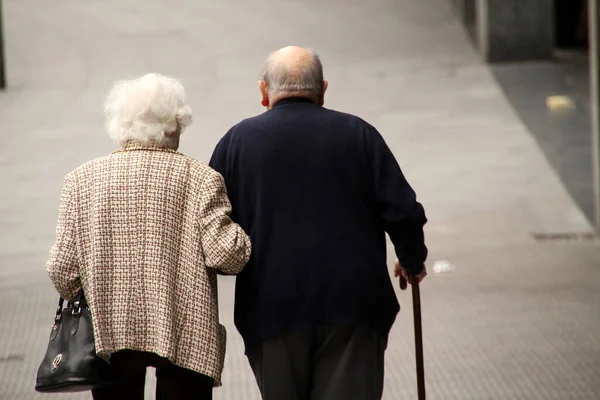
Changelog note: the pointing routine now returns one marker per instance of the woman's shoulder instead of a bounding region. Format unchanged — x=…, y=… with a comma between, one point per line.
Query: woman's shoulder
x=196, y=165
x=198, y=171
x=87, y=167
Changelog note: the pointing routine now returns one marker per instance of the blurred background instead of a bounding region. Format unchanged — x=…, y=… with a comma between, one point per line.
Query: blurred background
x=487, y=105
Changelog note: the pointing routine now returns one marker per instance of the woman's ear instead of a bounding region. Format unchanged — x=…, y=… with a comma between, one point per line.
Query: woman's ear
x=177, y=130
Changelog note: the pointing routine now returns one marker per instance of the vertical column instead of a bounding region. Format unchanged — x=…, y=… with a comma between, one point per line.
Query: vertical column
x=515, y=30
x=460, y=6
x=2, y=70
x=594, y=38
x=465, y=10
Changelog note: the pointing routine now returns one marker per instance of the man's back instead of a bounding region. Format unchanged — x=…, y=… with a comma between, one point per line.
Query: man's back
x=316, y=190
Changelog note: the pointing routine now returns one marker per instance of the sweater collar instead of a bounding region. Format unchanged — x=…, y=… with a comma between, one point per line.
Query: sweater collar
x=292, y=100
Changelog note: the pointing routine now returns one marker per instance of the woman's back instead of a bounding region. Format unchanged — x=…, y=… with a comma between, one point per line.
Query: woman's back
x=143, y=231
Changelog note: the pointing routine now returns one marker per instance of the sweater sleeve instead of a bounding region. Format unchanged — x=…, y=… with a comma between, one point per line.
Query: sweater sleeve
x=226, y=246
x=219, y=158
x=402, y=215
x=63, y=265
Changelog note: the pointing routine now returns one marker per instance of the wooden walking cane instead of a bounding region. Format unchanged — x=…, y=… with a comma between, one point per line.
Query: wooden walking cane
x=416, y=295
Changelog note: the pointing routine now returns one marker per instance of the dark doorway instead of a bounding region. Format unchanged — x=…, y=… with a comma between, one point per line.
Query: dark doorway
x=571, y=24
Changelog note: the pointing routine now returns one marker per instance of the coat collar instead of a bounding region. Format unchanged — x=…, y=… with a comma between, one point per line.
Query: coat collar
x=149, y=147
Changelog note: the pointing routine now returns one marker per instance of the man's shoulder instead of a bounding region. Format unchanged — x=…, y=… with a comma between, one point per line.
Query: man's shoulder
x=328, y=120
x=352, y=126
x=349, y=118
x=253, y=122
x=321, y=113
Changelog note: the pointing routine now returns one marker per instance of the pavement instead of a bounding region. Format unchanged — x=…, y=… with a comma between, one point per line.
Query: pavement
x=517, y=318
x=563, y=133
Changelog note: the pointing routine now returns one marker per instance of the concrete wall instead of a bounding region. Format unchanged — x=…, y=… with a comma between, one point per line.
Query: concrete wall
x=509, y=30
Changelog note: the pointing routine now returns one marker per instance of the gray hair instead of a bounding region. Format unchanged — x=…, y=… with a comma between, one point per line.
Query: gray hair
x=306, y=79
x=145, y=110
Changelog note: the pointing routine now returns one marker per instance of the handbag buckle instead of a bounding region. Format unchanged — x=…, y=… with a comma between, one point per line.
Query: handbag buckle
x=76, y=308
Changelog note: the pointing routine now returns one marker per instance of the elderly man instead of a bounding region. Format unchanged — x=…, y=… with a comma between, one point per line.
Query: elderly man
x=316, y=189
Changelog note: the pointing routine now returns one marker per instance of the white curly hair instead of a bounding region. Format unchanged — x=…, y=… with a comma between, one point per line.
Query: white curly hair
x=145, y=110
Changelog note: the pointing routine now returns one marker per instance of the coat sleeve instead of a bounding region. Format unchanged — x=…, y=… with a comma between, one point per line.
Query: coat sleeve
x=63, y=265
x=402, y=215
x=225, y=244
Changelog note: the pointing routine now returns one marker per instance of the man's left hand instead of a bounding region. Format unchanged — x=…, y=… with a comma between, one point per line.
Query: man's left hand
x=400, y=270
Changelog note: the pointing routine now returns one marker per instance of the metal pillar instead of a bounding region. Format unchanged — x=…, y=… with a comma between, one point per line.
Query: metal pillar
x=594, y=54
x=2, y=69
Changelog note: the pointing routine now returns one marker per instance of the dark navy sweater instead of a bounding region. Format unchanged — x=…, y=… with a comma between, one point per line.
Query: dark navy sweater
x=316, y=190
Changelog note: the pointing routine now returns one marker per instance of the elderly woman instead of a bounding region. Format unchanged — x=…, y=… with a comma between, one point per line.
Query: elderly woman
x=144, y=231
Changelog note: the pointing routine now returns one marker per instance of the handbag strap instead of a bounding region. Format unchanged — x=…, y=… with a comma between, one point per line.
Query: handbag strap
x=77, y=305
x=59, y=309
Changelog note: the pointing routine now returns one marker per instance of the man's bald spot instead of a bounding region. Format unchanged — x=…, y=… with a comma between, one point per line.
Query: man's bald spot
x=291, y=58
x=293, y=69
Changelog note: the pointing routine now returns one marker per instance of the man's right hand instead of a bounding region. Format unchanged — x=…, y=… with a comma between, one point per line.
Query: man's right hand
x=400, y=270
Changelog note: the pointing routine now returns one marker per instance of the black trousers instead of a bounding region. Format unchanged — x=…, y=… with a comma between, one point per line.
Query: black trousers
x=172, y=382
x=325, y=363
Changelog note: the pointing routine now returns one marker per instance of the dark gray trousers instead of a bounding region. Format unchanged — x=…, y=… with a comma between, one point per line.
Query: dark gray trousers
x=325, y=363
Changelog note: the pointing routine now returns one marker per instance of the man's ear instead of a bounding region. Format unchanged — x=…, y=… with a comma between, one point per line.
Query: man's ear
x=264, y=91
x=322, y=95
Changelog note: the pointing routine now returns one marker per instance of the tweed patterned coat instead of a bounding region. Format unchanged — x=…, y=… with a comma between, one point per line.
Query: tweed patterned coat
x=143, y=231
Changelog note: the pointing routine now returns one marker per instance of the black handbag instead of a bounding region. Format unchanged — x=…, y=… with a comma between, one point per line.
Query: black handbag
x=71, y=363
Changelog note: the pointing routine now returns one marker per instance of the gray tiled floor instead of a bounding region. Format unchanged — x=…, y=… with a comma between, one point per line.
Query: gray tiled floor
x=516, y=320
x=564, y=136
